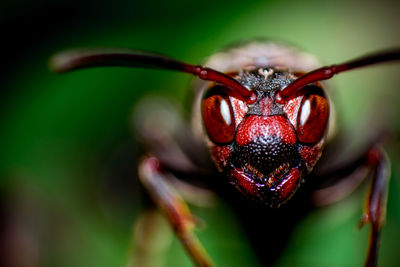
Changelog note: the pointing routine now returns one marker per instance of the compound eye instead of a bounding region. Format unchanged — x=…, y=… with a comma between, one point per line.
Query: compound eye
x=312, y=118
x=218, y=117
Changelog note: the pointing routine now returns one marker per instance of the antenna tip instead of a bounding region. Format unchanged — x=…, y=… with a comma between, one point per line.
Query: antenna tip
x=61, y=62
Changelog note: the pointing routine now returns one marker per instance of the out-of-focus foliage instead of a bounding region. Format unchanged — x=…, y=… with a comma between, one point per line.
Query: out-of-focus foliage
x=69, y=194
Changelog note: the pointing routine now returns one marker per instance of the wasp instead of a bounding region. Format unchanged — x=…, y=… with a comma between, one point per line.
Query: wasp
x=261, y=120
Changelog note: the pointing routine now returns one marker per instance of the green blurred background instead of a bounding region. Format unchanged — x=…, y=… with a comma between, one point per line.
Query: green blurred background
x=68, y=191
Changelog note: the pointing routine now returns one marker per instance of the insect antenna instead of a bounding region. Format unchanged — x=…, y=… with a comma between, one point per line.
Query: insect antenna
x=88, y=58
x=295, y=88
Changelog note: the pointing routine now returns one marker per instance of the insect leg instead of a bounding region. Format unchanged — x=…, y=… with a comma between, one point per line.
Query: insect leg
x=163, y=132
x=377, y=163
x=151, y=239
x=375, y=210
x=174, y=208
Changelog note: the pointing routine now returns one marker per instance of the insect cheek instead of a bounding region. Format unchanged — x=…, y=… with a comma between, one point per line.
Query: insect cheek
x=218, y=118
x=220, y=155
x=311, y=155
x=312, y=118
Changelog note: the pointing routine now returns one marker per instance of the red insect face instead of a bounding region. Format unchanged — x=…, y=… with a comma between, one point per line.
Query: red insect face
x=266, y=148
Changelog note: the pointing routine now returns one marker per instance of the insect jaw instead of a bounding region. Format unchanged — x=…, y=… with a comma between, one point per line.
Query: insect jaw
x=276, y=176
x=273, y=190
x=272, y=179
